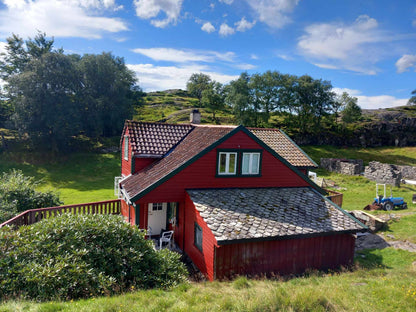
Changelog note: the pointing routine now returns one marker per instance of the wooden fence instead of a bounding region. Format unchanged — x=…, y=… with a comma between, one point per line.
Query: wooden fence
x=335, y=197
x=35, y=215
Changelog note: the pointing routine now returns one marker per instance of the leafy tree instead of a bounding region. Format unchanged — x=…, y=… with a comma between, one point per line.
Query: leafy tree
x=107, y=96
x=266, y=92
x=43, y=96
x=213, y=98
x=412, y=100
x=197, y=83
x=352, y=112
x=18, y=193
x=340, y=103
x=239, y=97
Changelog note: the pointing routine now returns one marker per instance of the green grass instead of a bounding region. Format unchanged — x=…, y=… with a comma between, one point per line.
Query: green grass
x=78, y=177
x=403, y=229
x=384, y=280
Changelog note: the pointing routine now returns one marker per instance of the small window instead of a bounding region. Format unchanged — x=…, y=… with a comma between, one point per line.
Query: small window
x=157, y=206
x=198, y=237
x=250, y=163
x=227, y=163
x=126, y=147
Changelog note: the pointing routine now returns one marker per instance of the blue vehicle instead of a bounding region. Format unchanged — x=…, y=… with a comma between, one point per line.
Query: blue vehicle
x=388, y=203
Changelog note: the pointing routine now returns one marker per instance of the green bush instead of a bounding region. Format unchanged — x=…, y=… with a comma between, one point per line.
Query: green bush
x=79, y=256
x=17, y=194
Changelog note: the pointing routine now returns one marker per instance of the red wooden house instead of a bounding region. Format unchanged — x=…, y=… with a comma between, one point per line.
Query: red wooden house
x=238, y=199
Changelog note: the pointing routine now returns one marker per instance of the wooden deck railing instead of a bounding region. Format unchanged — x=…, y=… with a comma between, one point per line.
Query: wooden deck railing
x=335, y=197
x=35, y=215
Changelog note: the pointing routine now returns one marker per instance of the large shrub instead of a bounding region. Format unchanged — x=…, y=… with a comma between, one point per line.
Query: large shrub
x=18, y=193
x=79, y=256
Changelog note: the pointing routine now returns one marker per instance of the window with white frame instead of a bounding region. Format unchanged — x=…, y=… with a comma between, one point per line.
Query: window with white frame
x=157, y=206
x=250, y=163
x=227, y=163
x=126, y=147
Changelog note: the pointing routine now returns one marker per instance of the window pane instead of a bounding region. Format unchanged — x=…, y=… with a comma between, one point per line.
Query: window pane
x=246, y=163
x=231, y=166
x=255, y=164
x=223, y=160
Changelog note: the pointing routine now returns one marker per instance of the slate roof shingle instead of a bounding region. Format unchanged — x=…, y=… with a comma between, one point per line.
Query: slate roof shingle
x=240, y=214
x=147, y=138
x=284, y=146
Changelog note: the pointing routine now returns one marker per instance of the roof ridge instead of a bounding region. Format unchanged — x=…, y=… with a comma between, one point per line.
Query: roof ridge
x=158, y=123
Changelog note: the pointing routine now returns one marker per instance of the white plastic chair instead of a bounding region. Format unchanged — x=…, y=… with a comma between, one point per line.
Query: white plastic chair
x=166, y=238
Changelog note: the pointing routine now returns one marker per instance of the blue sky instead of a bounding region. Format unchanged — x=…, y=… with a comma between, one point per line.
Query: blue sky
x=366, y=47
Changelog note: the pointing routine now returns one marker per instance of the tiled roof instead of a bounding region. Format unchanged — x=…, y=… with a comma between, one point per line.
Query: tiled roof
x=155, y=138
x=194, y=143
x=284, y=146
x=240, y=214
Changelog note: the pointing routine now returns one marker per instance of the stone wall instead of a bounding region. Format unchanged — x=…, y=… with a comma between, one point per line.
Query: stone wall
x=408, y=172
x=344, y=166
x=383, y=173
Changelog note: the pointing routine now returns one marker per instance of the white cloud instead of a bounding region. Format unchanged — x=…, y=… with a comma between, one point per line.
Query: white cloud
x=405, y=62
x=285, y=57
x=208, y=27
x=356, y=47
x=150, y=9
x=184, y=56
x=254, y=57
x=77, y=18
x=152, y=78
x=226, y=30
x=372, y=102
x=245, y=66
x=273, y=12
x=243, y=25
x=227, y=1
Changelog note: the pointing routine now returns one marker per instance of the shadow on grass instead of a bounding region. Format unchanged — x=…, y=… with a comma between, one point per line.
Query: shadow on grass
x=370, y=259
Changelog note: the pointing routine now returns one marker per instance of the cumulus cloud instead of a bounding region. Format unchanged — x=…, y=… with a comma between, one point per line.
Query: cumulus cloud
x=405, y=62
x=356, y=47
x=59, y=18
x=152, y=78
x=185, y=56
x=226, y=30
x=150, y=9
x=372, y=102
x=208, y=27
x=243, y=25
x=274, y=13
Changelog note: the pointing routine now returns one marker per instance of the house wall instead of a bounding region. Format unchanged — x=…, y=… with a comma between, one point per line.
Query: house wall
x=129, y=217
x=203, y=260
x=142, y=162
x=290, y=256
x=125, y=164
x=202, y=174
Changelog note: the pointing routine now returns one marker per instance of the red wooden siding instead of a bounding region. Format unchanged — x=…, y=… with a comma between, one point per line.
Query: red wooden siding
x=142, y=162
x=201, y=174
x=284, y=256
x=125, y=164
x=203, y=260
x=129, y=217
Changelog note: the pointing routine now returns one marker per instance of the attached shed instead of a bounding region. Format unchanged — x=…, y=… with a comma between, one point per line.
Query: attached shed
x=268, y=230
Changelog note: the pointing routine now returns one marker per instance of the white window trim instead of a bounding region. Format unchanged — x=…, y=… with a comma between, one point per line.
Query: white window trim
x=126, y=147
x=250, y=163
x=227, y=163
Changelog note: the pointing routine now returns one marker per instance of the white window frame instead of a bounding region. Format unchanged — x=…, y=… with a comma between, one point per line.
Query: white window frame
x=158, y=206
x=250, y=163
x=227, y=163
x=126, y=147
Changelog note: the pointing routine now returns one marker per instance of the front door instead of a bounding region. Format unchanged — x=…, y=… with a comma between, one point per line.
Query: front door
x=157, y=217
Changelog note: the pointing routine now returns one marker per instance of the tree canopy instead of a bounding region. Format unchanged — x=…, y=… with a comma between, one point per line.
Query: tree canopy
x=53, y=96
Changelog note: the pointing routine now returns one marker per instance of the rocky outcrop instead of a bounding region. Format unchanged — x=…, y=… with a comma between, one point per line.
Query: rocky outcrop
x=344, y=166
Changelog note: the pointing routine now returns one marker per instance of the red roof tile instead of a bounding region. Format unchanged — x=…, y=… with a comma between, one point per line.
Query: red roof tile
x=157, y=139
x=284, y=146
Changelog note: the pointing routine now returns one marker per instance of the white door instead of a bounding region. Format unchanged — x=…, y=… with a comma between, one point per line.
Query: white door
x=157, y=217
